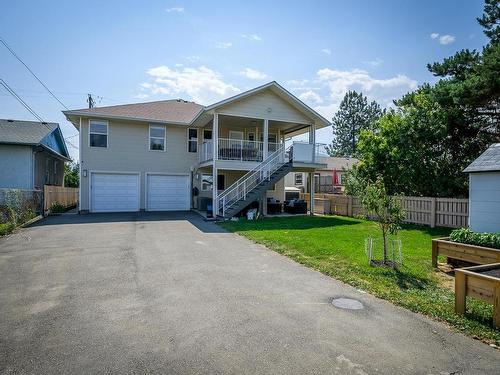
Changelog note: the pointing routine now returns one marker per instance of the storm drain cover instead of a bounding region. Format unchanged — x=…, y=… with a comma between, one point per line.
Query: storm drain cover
x=347, y=303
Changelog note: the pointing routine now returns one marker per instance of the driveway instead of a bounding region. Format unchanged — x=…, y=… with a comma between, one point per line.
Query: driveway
x=172, y=294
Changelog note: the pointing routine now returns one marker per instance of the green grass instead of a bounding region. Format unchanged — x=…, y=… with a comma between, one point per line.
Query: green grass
x=334, y=246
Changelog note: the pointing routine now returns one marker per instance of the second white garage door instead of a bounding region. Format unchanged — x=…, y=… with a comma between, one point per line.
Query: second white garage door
x=167, y=192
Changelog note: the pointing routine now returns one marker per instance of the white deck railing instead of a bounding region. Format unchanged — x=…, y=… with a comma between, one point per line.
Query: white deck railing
x=236, y=149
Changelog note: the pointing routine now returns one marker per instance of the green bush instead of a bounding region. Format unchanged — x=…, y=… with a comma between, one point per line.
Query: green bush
x=465, y=235
x=6, y=228
x=57, y=208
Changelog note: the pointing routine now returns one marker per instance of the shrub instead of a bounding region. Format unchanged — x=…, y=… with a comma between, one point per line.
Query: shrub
x=57, y=208
x=467, y=236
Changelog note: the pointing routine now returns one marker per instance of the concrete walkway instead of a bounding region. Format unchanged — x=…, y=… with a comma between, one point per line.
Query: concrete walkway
x=172, y=294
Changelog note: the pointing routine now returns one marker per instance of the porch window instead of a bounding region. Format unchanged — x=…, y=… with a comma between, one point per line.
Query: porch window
x=207, y=134
x=206, y=182
x=298, y=178
x=98, y=133
x=157, y=137
x=192, y=140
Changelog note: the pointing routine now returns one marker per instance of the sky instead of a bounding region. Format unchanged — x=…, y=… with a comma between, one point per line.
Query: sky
x=137, y=51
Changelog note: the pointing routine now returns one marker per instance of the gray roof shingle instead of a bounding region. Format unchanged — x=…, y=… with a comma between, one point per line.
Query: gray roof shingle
x=174, y=111
x=488, y=161
x=24, y=132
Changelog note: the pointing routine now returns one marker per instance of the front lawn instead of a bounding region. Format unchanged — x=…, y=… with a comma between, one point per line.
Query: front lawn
x=334, y=245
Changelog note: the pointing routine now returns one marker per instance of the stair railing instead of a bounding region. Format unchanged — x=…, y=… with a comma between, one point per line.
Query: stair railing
x=263, y=171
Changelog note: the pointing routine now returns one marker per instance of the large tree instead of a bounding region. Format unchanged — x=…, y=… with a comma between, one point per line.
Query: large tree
x=355, y=114
x=422, y=146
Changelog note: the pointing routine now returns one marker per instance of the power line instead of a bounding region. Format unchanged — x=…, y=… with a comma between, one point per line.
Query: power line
x=20, y=100
x=32, y=73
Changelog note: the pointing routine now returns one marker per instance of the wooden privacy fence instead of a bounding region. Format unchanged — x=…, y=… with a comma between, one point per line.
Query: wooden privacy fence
x=441, y=212
x=65, y=196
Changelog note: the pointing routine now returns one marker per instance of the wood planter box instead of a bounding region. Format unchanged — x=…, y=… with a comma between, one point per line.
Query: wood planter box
x=460, y=251
x=481, y=282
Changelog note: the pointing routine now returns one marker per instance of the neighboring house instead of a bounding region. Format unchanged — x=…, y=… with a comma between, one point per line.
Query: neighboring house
x=326, y=180
x=178, y=155
x=484, y=191
x=32, y=154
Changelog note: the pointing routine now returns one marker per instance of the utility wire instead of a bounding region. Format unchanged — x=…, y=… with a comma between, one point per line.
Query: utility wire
x=20, y=100
x=32, y=73
x=31, y=110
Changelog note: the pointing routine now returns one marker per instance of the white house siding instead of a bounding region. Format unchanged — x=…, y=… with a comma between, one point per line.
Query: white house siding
x=256, y=106
x=16, y=167
x=484, y=202
x=128, y=151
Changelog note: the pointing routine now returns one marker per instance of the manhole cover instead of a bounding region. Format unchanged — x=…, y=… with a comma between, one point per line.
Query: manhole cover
x=347, y=303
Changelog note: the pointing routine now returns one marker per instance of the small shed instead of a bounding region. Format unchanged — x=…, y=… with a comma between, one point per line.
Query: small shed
x=484, y=191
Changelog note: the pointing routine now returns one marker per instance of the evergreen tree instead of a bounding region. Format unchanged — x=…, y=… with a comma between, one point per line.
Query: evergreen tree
x=355, y=114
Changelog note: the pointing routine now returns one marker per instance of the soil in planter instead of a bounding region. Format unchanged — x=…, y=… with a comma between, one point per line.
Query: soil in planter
x=380, y=263
x=493, y=273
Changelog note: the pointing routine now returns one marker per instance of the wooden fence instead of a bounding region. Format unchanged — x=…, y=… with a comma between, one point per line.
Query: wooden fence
x=65, y=196
x=441, y=212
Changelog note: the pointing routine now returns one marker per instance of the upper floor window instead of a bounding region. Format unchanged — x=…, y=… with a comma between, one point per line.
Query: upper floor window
x=298, y=178
x=98, y=131
x=157, y=137
x=193, y=140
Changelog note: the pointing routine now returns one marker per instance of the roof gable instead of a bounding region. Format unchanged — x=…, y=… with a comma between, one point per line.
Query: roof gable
x=286, y=97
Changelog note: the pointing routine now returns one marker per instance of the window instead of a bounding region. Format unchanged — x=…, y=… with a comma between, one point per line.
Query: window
x=192, y=140
x=206, y=182
x=98, y=133
x=157, y=138
x=298, y=178
x=207, y=134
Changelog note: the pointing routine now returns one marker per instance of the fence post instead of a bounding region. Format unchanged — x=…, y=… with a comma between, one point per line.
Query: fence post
x=349, y=206
x=433, y=212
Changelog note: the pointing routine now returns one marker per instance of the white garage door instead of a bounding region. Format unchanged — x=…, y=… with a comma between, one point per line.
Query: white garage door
x=114, y=192
x=167, y=193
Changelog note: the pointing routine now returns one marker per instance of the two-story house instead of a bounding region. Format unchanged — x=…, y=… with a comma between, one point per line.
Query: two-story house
x=179, y=155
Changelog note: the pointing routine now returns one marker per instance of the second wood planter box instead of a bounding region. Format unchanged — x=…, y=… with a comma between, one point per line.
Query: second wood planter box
x=480, y=282
x=460, y=251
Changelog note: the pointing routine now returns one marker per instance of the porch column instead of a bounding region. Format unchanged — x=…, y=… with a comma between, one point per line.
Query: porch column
x=265, y=137
x=215, y=136
x=312, y=140
x=311, y=193
x=215, y=141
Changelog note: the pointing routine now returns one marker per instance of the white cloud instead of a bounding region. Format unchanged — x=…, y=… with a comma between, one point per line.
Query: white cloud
x=253, y=74
x=175, y=10
x=310, y=97
x=223, y=45
x=327, y=51
x=446, y=39
x=330, y=86
x=202, y=84
x=253, y=37
x=443, y=39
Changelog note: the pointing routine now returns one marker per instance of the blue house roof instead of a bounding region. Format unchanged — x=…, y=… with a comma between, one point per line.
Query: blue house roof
x=31, y=133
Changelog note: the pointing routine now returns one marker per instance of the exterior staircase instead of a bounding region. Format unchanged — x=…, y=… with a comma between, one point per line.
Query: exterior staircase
x=255, y=183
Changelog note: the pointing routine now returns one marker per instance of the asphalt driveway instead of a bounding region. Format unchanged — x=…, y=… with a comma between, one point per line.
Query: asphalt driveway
x=172, y=294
